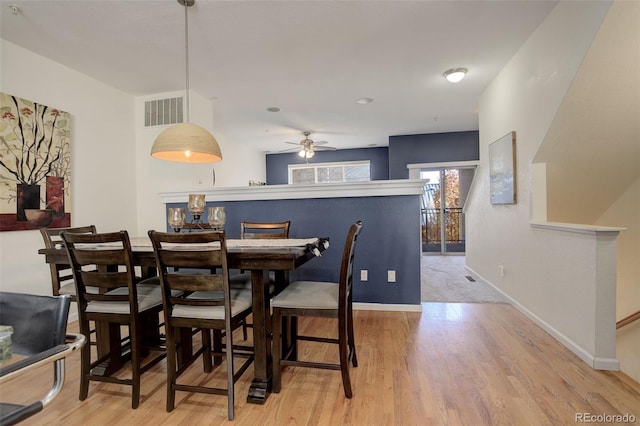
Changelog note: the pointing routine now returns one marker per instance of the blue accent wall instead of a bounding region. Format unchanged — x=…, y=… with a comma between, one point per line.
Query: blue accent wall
x=390, y=239
x=431, y=148
x=278, y=164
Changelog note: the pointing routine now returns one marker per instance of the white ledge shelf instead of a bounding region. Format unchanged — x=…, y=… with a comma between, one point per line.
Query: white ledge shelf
x=578, y=228
x=376, y=188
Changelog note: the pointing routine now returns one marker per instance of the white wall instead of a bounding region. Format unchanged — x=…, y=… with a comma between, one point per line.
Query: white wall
x=239, y=164
x=626, y=212
x=114, y=179
x=103, y=161
x=545, y=273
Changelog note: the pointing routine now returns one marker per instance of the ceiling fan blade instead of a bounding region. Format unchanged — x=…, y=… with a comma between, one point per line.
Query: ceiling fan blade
x=324, y=148
x=320, y=142
x=293, y=143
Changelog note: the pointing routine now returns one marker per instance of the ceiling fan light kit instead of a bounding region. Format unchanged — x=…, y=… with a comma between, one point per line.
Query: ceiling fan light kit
x=306, y=147
x=306, y=153
x=186, y=142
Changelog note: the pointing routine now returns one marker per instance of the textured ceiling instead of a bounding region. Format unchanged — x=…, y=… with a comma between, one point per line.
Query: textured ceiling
x=312, y=59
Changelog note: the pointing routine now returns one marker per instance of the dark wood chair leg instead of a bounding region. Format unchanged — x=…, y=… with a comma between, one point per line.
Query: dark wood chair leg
x=217, y=346
x=135, y=366
x=85, y=364
x=352, y=340
x=344, y=359
x=171, y=366
x=206, y=355
x=277, y=350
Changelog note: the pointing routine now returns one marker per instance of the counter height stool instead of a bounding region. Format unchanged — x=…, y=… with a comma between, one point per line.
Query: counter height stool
x=206, y=303
x=319, y=299
x=104, y=261
x=252, y=231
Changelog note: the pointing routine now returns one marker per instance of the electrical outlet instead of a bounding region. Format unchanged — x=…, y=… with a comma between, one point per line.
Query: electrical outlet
x=391, y=276
x=501, y=270
x=364, y=275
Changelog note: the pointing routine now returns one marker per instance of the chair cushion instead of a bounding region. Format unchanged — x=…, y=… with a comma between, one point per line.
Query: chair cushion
x=243, y=281
x=69, y=289
x=240, y=301
x=308, y=294
x=149, y=296
x=240, y=281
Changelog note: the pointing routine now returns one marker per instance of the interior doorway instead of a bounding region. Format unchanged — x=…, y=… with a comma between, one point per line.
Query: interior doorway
x=443, y=224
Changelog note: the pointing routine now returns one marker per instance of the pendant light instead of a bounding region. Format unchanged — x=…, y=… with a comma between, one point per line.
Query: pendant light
x=186, y=142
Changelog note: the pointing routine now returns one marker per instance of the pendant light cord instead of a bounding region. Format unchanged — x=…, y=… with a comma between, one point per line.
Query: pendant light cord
x=186, y=54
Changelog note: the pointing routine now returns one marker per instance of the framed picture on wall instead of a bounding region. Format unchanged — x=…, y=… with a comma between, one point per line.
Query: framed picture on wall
x=502, y=170
x=35, y=165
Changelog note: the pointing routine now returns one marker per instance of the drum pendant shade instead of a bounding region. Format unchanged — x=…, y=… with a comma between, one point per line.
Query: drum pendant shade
x=186, y=143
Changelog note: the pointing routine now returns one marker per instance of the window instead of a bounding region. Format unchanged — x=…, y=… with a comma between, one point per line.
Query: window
x=348, y=171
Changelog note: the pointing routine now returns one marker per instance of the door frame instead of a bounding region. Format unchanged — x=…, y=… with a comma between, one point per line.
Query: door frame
x=414, y=173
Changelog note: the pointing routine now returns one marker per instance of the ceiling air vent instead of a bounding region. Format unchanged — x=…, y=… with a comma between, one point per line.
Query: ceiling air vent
x=163, y=111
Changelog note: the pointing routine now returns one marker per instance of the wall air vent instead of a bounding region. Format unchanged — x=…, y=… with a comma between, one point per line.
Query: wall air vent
x=163, y=111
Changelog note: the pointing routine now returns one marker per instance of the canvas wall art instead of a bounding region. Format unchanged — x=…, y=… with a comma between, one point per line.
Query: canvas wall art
x=502, y=168
x=35, y=165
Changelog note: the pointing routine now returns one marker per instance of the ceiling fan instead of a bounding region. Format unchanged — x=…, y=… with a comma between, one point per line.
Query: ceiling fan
x=307, y=147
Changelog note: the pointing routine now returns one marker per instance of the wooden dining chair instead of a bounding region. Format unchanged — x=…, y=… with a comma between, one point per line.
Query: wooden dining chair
x=319, y=299
x=256, y=230
x=103, y=261
x=206, y=302
x=259, y=230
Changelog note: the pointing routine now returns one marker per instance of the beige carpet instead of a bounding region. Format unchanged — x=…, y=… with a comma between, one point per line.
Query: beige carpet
x=443, y=279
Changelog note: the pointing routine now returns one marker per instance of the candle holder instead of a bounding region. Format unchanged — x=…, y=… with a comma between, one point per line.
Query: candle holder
x=176, y=218
x=216, y=218
x=196, y=208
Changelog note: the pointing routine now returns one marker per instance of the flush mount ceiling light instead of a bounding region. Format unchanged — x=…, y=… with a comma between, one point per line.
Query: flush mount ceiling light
x=186, y=142
x=364, y=101
x=455, y=75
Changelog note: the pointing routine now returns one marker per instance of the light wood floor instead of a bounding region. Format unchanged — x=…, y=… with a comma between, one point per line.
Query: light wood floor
x=452, y=364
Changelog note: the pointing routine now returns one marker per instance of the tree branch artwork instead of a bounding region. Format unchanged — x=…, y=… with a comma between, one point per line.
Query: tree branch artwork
x=34, y=152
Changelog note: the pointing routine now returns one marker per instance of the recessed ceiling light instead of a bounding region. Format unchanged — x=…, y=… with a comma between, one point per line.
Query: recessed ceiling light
x=15, y=9
x=364, y=101
x=454, y=75
x=273, y=109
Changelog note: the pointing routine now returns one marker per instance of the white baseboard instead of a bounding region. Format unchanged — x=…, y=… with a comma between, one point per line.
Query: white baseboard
x=386, y=307
x=587, y=357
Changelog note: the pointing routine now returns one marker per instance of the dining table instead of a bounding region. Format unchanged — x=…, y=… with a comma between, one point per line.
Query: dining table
x=259, y=257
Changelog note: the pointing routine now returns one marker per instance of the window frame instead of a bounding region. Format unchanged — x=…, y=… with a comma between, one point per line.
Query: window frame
x=316, y=166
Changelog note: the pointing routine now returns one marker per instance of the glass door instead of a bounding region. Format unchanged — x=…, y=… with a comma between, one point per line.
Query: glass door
x=446, y=191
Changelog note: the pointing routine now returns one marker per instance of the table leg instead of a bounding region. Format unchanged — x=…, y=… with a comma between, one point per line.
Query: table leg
x=262, y=364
